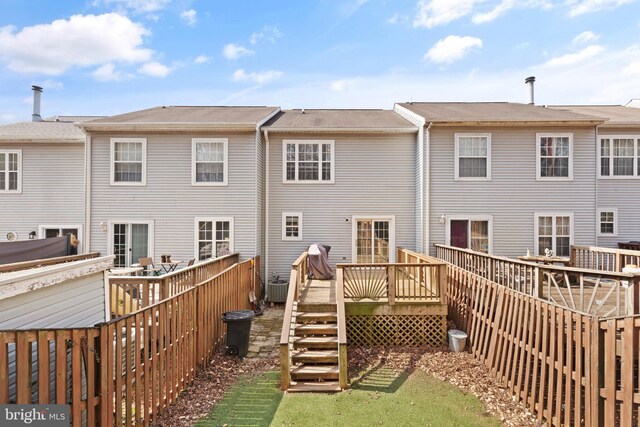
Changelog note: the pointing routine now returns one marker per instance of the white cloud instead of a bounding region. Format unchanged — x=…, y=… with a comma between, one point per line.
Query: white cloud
x=632, y=68
x=580, y=7
x=235, y=51
x=258, y=78
x=452, y=48
x=201, y=59
x=438, y=12
x=80, y=41
x=585, y=37
x=341, y=85
x=155, y=69
x=190, y=17
x=52, y=85
x=138, y=6
x=107, y=73
x=574, y=58
x=506, y=5
x=268, y=32
x=348, y=8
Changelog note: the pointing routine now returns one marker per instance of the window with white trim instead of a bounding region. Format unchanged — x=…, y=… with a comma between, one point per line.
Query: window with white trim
x=473, y=156
x=608, y=222
x=470, y=232
x=214, y=237
x=128, y=161
x=291, y=225
x=554, y=156
x=554, y=232
x=10, y=171
x=619, y=156
x=209, y=161
x=308, y=161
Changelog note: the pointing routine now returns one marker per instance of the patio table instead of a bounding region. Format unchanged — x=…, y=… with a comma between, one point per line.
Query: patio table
x=168, y=267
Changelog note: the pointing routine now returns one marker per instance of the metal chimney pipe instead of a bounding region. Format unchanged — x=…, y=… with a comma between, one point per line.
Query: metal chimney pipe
x=37, y=92
x=530, y=81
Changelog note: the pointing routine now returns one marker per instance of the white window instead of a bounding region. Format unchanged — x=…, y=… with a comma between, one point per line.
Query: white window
x=619, y=156
x=470, y=232
x=10, y=171
x=608, y=222
x=213, y=237
x=308, y=161
x=473, y=156
x=291, y=225
x=128, y=161
x=209, y=161
x=554, y=156
x=554, y=231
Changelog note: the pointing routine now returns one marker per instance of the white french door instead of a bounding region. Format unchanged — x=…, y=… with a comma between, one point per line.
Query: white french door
x=130, y=241
x=373, y=239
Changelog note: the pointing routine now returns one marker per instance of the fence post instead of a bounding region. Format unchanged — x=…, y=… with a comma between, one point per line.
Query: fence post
x=442, y=282
x=391, y=283
x=597, y=373
x=103, y=413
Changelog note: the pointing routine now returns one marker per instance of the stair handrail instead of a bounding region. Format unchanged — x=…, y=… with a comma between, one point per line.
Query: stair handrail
x=296, y=278
x=342, y=331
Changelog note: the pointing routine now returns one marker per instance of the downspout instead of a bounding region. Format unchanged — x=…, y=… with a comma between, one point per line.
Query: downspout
x=427, y=193
x=597, y=157
x=266, y=216
x=87, y=195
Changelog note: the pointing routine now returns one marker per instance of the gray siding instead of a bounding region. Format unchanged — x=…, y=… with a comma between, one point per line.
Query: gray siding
x=623, y=194
x=74, y=303
x=260, y=198
x=52, y=189
x=374, y=175
x=169, y=199
x=513, y=195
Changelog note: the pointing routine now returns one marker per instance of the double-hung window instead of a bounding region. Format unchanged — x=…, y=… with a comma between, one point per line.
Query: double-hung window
x=554, y=232
x=291, y=225
x=619, y=156
x=128, y=161
x=554, y=156
x=473, y=156
x=308, y=161
x=209, y=161
x=10, y=171
x=213, y=237
x=608, y=222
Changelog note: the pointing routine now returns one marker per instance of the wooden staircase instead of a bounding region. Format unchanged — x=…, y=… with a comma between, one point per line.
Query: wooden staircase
x=314, y=360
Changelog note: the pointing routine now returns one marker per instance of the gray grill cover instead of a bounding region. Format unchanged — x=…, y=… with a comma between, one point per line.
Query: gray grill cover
x=318, y=262
x=29, y=250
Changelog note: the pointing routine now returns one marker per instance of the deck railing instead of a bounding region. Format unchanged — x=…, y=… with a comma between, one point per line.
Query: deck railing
x=131, y=293
x=24, y=265
x=606, y=259
x=128, y=370
x=297, y=278
x=595, y=292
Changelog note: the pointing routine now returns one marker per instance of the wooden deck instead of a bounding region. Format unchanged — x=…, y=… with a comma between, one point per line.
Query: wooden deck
x=318, y=292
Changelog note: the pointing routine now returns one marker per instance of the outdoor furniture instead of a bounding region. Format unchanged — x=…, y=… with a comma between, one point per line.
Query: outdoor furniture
x=125, y=271
x=148, y=267
x=168, y=267
x=191, y=261
x=634, y=246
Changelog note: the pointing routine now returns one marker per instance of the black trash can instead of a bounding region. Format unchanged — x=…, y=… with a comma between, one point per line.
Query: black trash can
x=238, y=329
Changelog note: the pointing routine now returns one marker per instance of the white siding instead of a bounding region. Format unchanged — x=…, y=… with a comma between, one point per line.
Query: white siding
x=623, y=194
x=170, y=200
x=374, y=175
x=513, y=194
x=52, y=189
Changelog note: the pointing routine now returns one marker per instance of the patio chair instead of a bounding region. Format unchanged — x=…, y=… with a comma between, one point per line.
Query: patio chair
x=191, y=261
x=149, y=268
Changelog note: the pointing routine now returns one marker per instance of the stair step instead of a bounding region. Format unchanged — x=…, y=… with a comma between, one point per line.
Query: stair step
x=317, y=308
x=316, y=342
x=321, y=329
x=316, y=317
x=316, y=356
x=329, y=372
x=315, y=387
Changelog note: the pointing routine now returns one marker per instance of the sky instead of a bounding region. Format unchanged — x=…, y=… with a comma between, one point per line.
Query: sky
x=106, y=57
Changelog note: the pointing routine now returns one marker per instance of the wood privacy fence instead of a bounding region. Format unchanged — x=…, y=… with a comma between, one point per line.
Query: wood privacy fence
x=569, y=368
x=595, y=292
x=131, y=293
x=607, y=259
x=128, y=370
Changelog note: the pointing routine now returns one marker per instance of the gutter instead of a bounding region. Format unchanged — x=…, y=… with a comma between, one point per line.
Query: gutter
x=403, y=130
x=165, y=127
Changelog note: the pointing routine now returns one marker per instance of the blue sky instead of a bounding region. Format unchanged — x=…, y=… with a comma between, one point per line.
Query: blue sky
x=113, y=56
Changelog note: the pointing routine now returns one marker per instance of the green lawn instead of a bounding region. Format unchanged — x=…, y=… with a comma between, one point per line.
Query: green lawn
x=378, y=398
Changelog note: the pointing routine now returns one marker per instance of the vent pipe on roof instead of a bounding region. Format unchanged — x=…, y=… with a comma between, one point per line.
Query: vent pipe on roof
x=37, y=92
x=530, y=81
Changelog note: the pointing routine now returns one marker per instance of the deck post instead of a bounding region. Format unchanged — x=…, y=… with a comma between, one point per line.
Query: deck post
x=391, y=283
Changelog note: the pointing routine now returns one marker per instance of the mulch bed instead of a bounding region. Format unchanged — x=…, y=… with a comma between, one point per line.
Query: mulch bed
x=458, y=369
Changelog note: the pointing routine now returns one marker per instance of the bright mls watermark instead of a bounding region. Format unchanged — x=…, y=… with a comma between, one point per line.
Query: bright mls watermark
x=35, y=415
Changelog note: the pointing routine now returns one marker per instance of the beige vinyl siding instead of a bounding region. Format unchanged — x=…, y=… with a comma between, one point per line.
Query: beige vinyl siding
x=374, y=175
x=513, y=195
x=52, y=189
x=621, y=193
x=169, y=199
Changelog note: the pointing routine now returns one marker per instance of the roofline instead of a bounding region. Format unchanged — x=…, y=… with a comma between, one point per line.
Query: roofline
x=167, y=126
x=403, y=130
x=519, y=123
x=9, y=139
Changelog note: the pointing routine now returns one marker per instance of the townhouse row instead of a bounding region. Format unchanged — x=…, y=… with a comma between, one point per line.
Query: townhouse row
x=197, y=182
